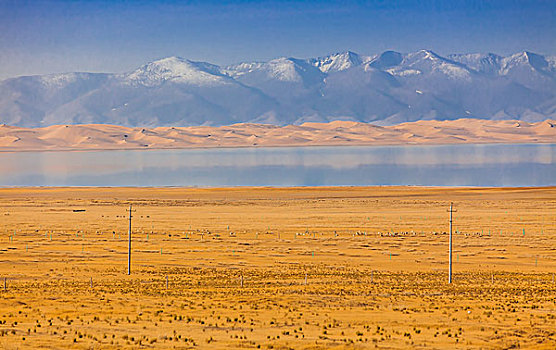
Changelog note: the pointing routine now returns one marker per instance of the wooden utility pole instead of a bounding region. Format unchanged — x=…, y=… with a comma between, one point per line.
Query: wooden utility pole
x=129, y=244
x=450, y=245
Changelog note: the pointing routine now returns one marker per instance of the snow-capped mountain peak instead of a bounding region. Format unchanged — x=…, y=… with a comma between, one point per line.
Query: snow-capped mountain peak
x=486, y=63
x=423, y=55
x=177, y=70
x=525, y=60
x=283, y=69
x=337, y=62
x=426, y=61
x=292, y=70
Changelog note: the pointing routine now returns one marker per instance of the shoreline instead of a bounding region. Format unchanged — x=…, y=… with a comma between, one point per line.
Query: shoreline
x=277, y=146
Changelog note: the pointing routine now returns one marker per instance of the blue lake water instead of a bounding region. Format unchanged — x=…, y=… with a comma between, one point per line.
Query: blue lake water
x=449, y=165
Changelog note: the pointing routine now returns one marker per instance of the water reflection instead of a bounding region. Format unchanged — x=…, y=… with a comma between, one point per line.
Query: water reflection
x=455, y=165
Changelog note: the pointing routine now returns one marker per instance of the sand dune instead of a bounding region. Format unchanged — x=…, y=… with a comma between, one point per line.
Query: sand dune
x=336, y=133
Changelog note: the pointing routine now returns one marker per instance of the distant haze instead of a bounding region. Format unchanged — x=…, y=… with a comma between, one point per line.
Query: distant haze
x=386, y=88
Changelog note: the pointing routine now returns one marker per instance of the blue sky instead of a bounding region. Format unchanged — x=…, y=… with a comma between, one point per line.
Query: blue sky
x=38, y=37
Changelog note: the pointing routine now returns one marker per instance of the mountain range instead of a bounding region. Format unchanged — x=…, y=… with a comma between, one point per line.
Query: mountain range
x=385, y=89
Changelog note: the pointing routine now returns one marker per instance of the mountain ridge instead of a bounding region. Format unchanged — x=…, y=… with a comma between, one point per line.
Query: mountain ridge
x=386, y=88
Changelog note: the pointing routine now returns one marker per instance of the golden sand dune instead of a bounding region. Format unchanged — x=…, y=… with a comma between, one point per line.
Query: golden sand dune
x=336, y=133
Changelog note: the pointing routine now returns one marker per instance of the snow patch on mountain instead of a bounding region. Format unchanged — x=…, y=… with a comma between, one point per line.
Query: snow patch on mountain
x=401, y=72
x=551, y=62
x=237, y=70
x=64, y=79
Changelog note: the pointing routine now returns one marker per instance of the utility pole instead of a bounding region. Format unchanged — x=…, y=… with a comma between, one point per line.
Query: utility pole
x=129, y=244
x=450, y=245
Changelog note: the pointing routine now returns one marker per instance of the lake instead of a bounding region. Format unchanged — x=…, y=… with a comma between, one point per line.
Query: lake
x=446, y=165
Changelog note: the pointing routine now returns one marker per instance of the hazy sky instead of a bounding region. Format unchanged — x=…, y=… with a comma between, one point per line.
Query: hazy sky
x=38, y=37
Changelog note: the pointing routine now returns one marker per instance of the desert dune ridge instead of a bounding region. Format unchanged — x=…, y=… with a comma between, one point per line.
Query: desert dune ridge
x=335, y=133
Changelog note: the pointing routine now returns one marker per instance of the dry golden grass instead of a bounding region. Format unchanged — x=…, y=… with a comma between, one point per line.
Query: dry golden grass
x=375, y=260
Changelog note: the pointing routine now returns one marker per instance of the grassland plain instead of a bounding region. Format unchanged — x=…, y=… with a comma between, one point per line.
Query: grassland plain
x=344, y=267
